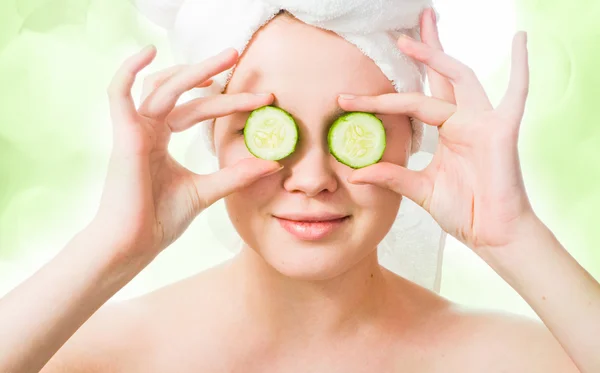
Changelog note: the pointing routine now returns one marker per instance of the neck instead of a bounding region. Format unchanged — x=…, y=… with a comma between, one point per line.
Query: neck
x=311, y=306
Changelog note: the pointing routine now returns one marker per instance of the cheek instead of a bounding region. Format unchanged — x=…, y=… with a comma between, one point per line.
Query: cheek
x=249, y=209
x=376, y=212
x=259, y=192
x=228, y=142
x=376, y=202
x=252, y=201
x=398, y=140
x=230, y=148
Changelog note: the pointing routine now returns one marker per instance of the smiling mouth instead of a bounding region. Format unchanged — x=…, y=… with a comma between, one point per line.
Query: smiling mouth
x=312, y=228
x=313, y=218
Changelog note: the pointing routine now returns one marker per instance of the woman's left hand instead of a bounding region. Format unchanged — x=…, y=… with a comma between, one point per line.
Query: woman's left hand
x=473, y=186
x=474, y=189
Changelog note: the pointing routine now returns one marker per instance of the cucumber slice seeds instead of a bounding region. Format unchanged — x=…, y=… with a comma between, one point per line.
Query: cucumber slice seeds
x=270, y=133
x=357, y=139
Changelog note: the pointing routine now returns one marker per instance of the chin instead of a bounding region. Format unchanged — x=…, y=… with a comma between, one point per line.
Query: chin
x=313, y=261
x=311, y=258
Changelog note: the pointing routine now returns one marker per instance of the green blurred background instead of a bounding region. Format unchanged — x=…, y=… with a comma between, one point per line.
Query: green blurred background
x=57, y=57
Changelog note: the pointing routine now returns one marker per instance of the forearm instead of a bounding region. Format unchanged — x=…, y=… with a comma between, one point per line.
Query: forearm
x=41, y=314
x=563, y=294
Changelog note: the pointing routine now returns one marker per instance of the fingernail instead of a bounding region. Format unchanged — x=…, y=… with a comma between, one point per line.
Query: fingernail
x=227, y=51
x=274, y=171
x=433, y=15
x=345, y=96
x=357, y=182
x=405, y=36
x=147, y=49
x=261, y=94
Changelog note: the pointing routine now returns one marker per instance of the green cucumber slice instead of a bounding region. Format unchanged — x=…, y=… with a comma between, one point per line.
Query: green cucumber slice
x=357, y=139
x=270, y=133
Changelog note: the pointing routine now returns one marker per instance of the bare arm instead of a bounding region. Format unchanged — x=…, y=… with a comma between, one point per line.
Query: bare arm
x=474, y=188
x=564, y=295
x=148, y=201
x=41, y=314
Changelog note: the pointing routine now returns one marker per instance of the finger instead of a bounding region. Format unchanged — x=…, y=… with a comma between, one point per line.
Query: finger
x=161, y=101
x=440, y=86
x=467, y=88
x=122, y=107
x=207, y=83
x=409, y=183
x=432, y=111
x=153, y=81
x=195, y=111
x=513, y=103
x=228, y=180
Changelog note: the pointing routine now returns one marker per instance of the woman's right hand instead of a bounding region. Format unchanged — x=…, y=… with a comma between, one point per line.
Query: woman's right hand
x=149, y=199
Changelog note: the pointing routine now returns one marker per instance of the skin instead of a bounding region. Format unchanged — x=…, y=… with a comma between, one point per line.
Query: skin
x=282, y=305
x=311, y=181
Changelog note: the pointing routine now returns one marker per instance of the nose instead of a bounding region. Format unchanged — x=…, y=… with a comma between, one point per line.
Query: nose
x=311, y=172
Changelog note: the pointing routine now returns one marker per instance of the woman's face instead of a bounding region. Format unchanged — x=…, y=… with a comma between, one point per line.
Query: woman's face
x=306, y=69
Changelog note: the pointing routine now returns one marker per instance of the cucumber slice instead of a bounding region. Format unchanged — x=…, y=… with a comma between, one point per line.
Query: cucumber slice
x=270, y=133
x=357, y=139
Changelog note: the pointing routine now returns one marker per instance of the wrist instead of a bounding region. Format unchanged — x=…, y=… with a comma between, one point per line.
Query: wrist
x=518, y=232
x=118, y=261
x=533, y=238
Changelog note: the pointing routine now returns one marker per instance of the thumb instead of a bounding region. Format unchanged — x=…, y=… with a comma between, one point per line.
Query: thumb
x=409, y=183
x=212, y=187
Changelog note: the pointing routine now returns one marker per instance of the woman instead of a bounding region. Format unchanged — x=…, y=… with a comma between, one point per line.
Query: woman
x=290, y=302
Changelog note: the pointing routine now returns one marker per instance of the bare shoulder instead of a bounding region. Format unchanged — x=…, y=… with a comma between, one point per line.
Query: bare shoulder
x=494, y=341
x=131, y=336
x=108, y=341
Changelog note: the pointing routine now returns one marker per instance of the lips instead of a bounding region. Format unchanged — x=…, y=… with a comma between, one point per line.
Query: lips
x=311, y=228
x=315, y=217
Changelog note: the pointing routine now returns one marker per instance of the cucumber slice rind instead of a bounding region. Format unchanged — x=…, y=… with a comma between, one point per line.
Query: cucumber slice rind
x=257, y=120
x=364, y=128
x=356, y=139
